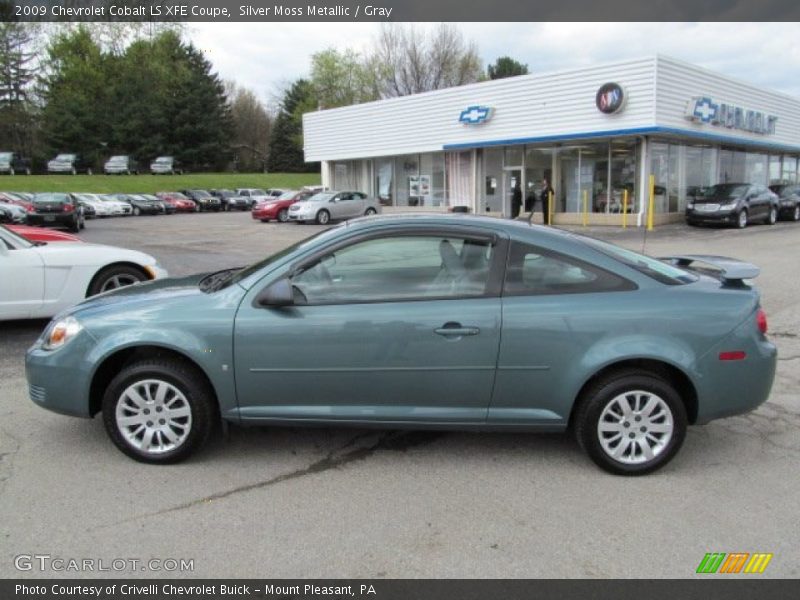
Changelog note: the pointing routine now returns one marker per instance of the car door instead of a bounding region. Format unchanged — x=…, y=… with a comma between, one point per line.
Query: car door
x=21, y=278
x=404, y=328
x=759, y=205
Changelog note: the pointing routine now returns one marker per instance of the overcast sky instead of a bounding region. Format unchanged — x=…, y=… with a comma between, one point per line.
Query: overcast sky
x=265, y=56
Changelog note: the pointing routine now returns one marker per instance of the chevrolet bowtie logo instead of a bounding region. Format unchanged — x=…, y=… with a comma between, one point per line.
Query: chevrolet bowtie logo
x=703, y=109
x=475, y=114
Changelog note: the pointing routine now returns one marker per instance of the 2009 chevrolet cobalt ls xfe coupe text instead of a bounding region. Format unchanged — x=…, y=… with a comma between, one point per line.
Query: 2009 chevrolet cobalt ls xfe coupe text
x=440, y=321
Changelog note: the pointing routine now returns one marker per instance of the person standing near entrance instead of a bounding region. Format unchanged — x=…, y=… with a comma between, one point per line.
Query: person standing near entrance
x=516, y=201
x=545, y=195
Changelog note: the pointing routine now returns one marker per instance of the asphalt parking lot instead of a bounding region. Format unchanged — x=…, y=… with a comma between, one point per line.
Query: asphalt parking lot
x=283, y=503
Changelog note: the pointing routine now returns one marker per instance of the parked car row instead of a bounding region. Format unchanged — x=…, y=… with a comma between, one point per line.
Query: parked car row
x=315, y=206
x=70, y=163
x=740, y=204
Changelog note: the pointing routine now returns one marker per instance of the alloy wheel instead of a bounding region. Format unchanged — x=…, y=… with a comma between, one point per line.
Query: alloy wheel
x=635, y=427
x=153, y=416
x=118, y=281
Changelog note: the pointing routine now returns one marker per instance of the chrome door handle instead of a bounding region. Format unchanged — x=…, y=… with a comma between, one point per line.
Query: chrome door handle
x=456, y=330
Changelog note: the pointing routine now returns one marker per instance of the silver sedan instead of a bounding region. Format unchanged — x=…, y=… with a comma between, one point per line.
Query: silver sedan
x=330, y=206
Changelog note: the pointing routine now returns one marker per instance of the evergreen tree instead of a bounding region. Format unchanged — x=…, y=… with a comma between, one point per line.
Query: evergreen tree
x=286, y=137
x=17, y=110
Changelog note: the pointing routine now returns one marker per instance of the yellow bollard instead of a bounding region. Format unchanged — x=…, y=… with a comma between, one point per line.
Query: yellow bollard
x=549, y=208
x=652, y=203
x=625, y=208
x=585, y=207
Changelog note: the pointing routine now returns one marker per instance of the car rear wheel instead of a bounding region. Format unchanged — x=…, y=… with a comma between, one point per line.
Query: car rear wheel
x=323, y=217
x=75, y=226
x=741, y=219
x=158, y=410
x=115, y=276
x=772, y=217
x=283, y=215
x=369, y=212
x=631, y=422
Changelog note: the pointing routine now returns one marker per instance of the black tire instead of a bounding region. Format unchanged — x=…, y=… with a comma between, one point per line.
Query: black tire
x=192, y=431
x=104, y=280
x=75, y=226
x=369, y=212
x=283, y=215
x=741, y=219
x=323, y=217
x=603, y=394
x=772, y=216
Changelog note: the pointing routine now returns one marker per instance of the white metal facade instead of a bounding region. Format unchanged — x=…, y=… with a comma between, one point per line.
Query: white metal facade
x=547, y=108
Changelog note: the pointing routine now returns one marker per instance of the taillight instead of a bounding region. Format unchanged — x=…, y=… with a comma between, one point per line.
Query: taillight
x=68, y=208
x=761, y=321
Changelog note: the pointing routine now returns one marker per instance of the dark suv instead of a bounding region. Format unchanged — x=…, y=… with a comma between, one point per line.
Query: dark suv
x=203, y=200
x=12, y=163
x=57, y=210
x=734, y=204
x=70, y=164
x=789, y=200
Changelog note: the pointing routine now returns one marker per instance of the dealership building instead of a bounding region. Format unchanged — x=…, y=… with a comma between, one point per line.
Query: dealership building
x=596, y=133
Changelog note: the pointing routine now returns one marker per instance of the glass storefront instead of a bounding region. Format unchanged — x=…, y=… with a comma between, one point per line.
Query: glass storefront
x=599, y=177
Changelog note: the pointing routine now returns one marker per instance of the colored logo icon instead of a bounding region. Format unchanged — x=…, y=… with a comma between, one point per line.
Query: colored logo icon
x=473, y=115
x=734, y=562
x=610, y=98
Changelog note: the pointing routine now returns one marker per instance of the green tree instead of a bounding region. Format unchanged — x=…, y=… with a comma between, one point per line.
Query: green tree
x=251, y=128
x=286, y=138
x=506, y=66
x=17, y=109
x=75, y=91
x=342, y=78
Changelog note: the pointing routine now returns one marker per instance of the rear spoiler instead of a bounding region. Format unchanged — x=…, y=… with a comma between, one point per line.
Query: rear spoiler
x=730, y=270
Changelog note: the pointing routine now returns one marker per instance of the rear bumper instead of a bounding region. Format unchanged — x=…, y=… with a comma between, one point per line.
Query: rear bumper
x=52, y=219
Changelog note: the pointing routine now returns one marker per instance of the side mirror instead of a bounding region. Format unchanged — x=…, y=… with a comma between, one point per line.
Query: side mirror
x=277, y=294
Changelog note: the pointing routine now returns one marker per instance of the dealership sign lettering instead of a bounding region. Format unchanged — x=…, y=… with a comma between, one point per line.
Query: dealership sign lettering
x=703, y=109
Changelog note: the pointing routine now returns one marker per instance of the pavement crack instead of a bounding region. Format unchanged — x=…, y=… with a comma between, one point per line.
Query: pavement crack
x=393, y=441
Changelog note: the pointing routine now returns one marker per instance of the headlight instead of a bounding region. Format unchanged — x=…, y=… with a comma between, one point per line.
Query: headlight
x=690, y=206
x=60, y=333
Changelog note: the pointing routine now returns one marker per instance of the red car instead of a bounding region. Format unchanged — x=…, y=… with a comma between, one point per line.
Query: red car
x=178, y=200
x=278, y=207
x=43, y=234
x=12, y=198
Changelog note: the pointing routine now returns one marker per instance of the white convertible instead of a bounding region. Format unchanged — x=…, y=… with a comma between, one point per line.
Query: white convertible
x=40, y=280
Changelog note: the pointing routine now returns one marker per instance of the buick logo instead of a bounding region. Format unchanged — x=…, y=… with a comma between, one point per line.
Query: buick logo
x=610, y=98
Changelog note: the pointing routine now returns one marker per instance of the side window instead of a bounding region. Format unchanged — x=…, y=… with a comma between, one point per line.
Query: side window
x=397, y=269
x=533, y=271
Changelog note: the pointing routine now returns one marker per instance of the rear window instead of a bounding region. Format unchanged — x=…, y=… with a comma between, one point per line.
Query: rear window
x=652, y=267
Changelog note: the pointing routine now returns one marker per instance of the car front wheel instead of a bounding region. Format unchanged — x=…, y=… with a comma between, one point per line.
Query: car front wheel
x=158, y=410
x=369, y=212
x=323, y=217
x=283, y=215
x=115, y=276
x=741, y=219
x=631, y=423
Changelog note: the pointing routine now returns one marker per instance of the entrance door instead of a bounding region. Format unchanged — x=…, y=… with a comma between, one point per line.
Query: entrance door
x=512, y=186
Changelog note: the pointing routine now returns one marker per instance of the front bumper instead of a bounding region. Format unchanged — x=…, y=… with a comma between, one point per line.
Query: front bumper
x=116, y=170
x=720, y=216
x=59, y=380
x=60, y=168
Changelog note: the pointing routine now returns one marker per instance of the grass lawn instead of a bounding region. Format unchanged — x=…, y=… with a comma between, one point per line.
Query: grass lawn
x=148, y=184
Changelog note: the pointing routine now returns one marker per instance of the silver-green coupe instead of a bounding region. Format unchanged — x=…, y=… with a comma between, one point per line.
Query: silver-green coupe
x=430, y=321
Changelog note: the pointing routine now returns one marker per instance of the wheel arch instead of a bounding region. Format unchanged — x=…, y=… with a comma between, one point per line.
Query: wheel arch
x=119, y=263
x=666, y=370
x=116, y=361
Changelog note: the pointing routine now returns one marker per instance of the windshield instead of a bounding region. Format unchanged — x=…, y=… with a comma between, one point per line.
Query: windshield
x=247, y=271
x=118, y=159
x=108, y=198
x=5, y=156
x=654, y=268
x=178, y=196
x=725, y=190
x=163, y=160
x=50, y=197
x=287, y=195
x=201, y=194
x=69, y=157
